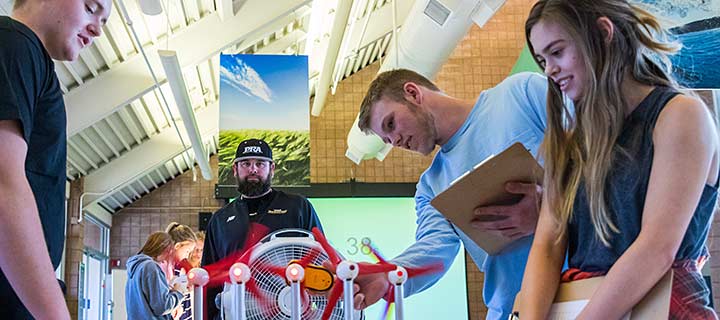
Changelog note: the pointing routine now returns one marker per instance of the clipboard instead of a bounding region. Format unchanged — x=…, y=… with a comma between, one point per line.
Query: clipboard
x=655, y=304
x=485, y=185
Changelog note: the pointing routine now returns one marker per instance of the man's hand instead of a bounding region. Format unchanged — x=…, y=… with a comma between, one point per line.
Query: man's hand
x=368, y=289
x=513, y=221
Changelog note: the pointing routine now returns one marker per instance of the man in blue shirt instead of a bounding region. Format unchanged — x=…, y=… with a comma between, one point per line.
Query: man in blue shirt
x=407, y=110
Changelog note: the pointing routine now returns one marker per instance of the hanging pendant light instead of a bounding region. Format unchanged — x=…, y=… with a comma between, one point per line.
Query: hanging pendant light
x=150, y=7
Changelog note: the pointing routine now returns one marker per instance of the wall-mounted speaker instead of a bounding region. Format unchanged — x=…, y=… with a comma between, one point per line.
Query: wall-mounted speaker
x=203, y=219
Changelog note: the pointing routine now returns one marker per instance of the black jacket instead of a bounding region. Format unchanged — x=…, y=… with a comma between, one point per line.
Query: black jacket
x=228, y=227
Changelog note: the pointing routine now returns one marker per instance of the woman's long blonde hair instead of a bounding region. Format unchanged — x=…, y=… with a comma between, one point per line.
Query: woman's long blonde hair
x=580, y=146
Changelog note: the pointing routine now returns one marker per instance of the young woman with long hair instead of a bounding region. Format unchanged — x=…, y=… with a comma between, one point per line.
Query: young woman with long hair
x=148, y=295
x=631, y=171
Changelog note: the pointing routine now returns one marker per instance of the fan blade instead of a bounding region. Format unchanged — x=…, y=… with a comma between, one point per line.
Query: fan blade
x=256, y=232
x=332, y=254
x=429, y=269
x=218, y=271
x=335, y=294
x=276, y=270
x=309, y=257
x=370, y=268
x=184, y=264
x=264, y=301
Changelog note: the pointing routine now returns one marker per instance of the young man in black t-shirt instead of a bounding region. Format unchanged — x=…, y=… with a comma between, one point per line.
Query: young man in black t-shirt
x=33, y=135
x=226, y=232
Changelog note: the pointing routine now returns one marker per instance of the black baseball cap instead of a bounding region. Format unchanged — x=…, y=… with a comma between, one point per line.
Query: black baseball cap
x=253, y=149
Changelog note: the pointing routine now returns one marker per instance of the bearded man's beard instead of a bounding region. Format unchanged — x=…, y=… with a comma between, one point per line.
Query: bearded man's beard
x=254, y=188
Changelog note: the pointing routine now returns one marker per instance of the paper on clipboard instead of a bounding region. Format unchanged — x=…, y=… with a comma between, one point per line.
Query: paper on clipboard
x=485, y=185
x=570, y=310
x=575, y=294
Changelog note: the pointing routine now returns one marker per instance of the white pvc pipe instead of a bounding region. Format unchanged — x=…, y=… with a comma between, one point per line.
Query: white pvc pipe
x=348, y=308
x=295, y=300
x=347, y=271
x=399, y=301
x=295, y=274
x=237, y=303
x=198, y=302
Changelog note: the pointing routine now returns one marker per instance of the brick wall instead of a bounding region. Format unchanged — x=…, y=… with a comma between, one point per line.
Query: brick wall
x=179, y=200
x=74, y=246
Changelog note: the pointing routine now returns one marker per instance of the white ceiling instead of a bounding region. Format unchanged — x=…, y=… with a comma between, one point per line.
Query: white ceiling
x=121, y=137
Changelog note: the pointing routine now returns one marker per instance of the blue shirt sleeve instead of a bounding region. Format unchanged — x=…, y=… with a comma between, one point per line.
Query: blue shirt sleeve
x=536, y=87
x=436, y=241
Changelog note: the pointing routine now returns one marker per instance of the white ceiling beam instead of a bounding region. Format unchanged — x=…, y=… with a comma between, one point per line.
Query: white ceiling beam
x=162, y=177
x=98, y=212
x=278, y=46
x=225, y=9
x=131, y=79
x=72, y=146
x=92, y=145
x=117, y=133
x=130, y=124
x=152, y=180
x=105, y=140
x=143, y=186
x=145, y=158
x=337, y=34
x=380, y=21
x=89, y=61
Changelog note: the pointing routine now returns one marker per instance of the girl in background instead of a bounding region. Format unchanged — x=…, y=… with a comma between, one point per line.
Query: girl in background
x=184, y=243
x=147, y=293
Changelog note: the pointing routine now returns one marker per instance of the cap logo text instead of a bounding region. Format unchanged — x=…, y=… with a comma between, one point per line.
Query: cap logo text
x=252, y=149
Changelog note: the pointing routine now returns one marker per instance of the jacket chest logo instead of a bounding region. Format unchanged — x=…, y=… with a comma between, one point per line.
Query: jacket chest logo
x=277, y=211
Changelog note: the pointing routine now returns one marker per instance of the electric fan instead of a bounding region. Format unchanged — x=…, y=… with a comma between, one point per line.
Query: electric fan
x=272, y=299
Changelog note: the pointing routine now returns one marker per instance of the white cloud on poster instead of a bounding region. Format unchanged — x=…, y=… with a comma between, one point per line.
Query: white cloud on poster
x=245, y=79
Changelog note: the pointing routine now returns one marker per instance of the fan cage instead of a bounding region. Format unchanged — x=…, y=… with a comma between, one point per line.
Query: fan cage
x=279, y=252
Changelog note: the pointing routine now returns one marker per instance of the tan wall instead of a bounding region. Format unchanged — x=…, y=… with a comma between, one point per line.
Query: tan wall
x=179, y=200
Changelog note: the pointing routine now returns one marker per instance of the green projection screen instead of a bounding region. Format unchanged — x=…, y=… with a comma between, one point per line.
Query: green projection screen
x=389, y=224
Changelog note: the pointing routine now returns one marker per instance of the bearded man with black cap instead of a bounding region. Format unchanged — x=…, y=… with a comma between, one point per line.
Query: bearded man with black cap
x=226, y=232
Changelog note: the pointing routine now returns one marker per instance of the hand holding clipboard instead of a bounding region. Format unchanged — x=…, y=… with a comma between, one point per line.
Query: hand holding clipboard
x=485, y=186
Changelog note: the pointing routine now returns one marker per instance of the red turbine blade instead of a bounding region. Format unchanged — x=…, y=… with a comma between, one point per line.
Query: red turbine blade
x=371, y=268
x=429, y=269
x=256, y=232
x=184, y=264
x=276, y=270
x=309, y=257
x=218, y=271
x=335, y=294
x=332, y=254
x=263, y=300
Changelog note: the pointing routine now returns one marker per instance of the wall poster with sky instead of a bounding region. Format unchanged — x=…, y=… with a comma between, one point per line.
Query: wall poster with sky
x=266, y=97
